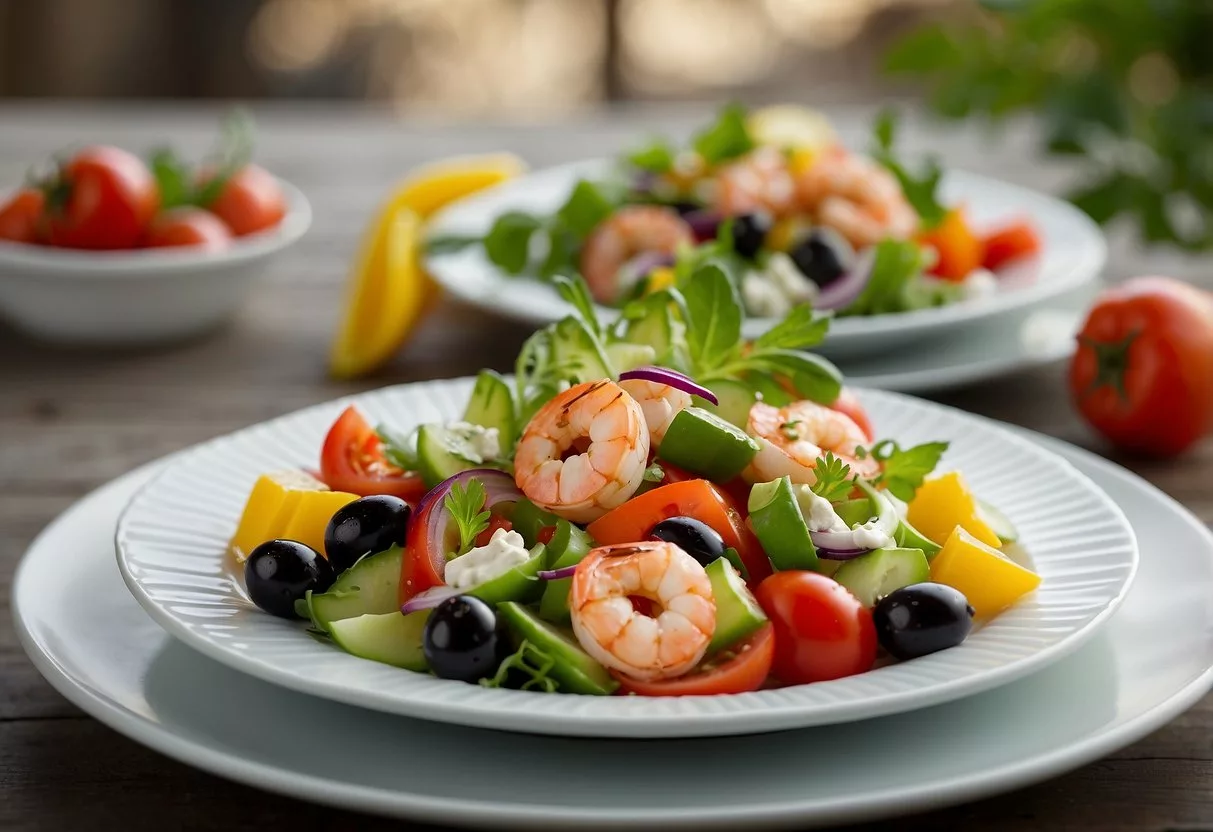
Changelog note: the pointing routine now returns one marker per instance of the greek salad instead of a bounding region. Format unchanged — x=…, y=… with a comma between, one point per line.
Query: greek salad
x=798, y=217
x=652, y=507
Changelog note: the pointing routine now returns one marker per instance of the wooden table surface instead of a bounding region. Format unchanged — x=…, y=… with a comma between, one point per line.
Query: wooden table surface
x=71, y=420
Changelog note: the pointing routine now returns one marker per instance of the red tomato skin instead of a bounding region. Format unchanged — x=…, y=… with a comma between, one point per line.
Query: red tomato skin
x=746, y=672
x=21, y=216
x=188, y=227
x=251, y=201
x=420, y=569
x=109, y=197
x=1166, y=330
x=822, y=631
x=496, y=522
x=1010, y=242
x=848, y=404
x=351, y=460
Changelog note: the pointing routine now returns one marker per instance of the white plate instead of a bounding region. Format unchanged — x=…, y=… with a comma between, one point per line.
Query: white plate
x=171, y=549
x=98, y=648
x=1074, y=253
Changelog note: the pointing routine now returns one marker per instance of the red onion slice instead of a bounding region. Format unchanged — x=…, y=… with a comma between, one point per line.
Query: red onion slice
x=839, y=554
x=704, y=223
x=557, y=574
x=843, y=291
x=499, y=487
x=843, y=545
x=673, y=378
x=429, y=599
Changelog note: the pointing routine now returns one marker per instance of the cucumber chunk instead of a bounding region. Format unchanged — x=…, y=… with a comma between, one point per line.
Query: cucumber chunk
x=574, y=670
x=855, y=512
x=779, y=524
x=519, y=584
x=998, y=522
x=707, y=445
x=369, y=587
x=872, y=576
x=735, y=400
x=625, y=356
x=390, y=638
x=568, y=546
x=653, y=327
x=573, y=346
x=909, y=537
x=492, y=404
x=737, y=613
x=443, y=451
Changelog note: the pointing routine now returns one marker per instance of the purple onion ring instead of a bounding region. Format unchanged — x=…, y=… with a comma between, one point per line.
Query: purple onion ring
x=672, y=378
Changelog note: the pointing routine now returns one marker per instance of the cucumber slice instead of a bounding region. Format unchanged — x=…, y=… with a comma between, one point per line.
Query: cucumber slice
x=574, y=670
x=737, y=613
x=872, y=576
x=998, y=522
x=735, y=399
x=443, y=451
x=369, y=587
x=769, y=390
x=390, y=638
x=519, y=584
x=707, y=445
x=573, y=346
x=568, y=546
x=492, y=404
x=625, y=356
x=909, y=537
x=854, y=512
x=779, y=524
x=655, y=328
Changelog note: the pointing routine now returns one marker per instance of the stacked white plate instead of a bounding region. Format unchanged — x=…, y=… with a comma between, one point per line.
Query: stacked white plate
x=1030, y=321
x=1092, y=661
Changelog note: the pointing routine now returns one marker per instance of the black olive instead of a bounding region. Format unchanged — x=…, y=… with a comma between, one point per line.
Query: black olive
x=823, y=256
x=920, y=619
x=462, y=639
x=280, y=572
x=365, y=527
x=696, y=538
x=750, y=233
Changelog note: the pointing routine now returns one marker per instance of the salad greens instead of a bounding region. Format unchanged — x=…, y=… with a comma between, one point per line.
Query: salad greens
x=465, y=503
x=904, y=470
x=528, y=662
x=919, y=189
x=890, y=288
x=834, y=480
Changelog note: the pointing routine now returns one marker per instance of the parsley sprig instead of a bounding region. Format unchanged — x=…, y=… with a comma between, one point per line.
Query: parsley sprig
x=834, y=480
x=904, y=469
x=528, y=668
x=465, y=504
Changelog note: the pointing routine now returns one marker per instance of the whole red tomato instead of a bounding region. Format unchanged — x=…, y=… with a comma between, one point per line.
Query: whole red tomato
x=20, y=216
x=188, y=227
x=103, y=198
x=1143, y=372
x=822, y=631
x=250, y=201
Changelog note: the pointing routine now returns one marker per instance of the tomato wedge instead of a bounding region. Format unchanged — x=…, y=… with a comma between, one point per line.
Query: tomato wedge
x=741, y=668
x=700, y=499
x=352, y=460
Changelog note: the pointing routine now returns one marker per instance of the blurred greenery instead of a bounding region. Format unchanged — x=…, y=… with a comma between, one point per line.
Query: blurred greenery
x=1127, y=85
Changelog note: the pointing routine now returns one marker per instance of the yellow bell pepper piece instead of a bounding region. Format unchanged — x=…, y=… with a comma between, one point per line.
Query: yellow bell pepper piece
x=945, y=502
x=311, y=516
x=988, y=578
x=270, y=505
x=660, y=278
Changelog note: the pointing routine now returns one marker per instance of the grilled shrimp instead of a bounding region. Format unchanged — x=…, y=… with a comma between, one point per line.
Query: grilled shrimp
x=629, y=232
x=759, y=181
x=659, y=402
x=584, y=452
x=792, y=438
x=856, y=197
x=613, y=631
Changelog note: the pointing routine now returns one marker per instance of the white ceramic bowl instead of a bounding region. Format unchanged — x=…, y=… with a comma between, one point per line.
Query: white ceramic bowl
x=137, y=297
x=172, y=544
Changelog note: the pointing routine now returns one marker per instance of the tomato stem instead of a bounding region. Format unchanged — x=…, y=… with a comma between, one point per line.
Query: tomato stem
x=1111, y=363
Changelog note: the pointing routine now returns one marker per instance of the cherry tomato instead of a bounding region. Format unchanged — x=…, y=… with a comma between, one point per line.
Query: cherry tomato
x=250, y=201
x=103, y=198
x=959, y=249
x=1143, y=373
x=1011, y=242
x=496, y=521
x=741, y=668
x=21, y=215
x=848, y=404
x=188, y=227
x=699, y=499
x=822, y=631
x=352, y=460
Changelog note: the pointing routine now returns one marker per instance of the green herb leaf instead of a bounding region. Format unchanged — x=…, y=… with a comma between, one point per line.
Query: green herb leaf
x=897, y=263
x=727, y=139
x=235, y=151
x=814, y=377
x=466, y=507
x=530, y=663
x=398, y=448
x=654, y=473
x=904, y=470
x=561, y=257
x=714, y=325
x=919, y=190
x=655, y=157
x=587, y=206
x=174, y=179
x=508, y=243
x=575, y=292
x=450, y=243
x=802, y=328
x=833, y=478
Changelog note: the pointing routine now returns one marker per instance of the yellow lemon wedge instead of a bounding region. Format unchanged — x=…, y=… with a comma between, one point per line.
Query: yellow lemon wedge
x=791, y=127
x=389, y=290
